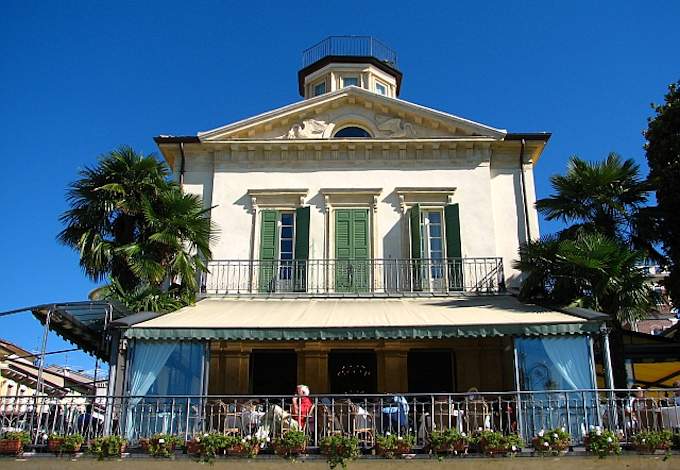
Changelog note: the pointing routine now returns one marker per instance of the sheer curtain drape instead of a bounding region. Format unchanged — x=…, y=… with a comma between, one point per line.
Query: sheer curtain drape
x=571, y=359
x=147, y=363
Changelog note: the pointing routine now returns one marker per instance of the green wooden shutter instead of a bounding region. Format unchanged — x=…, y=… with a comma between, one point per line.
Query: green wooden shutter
x=453, y=248
x=268, y=250
x=360, y=237
x=414, y=216
x=416, y=248
x=302, y=233
x=301, y=248
x=452, y=219
x=352, y=250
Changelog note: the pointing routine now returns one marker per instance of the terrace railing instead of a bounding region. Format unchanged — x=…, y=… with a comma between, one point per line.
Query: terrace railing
x=354, y=277
x=363, y=416
x=354, y=46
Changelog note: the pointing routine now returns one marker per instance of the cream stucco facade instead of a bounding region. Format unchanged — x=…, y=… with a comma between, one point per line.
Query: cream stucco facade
x=289, y=157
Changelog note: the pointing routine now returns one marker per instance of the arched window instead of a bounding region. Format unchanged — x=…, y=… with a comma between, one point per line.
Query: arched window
x=352, y=132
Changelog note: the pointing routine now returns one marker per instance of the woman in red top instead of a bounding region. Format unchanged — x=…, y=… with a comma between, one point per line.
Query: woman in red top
x=302, y=405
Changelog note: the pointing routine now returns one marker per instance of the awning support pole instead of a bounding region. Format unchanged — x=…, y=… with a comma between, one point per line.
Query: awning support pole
x=518, y=399
x=39, y=380
x=608, y=374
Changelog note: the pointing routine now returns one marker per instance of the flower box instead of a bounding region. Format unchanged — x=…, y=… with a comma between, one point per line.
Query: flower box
x=11, y=446
x=54, y=445
x=243, y=450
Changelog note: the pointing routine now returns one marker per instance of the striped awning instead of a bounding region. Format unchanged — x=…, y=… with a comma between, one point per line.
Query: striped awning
x=356, y=319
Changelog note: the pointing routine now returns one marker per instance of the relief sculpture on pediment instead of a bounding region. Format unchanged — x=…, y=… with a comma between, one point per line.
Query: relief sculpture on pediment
x=394, y=127
x=308, y=129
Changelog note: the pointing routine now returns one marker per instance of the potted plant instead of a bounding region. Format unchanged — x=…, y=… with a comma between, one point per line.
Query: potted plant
x=648, y=442
x=554, y=441
x=339, y=450
x=291, y=444
x=208, y=446
x=108, y=446
x=247, y=446
x=390, y=445
x=13, y=442
x=602, y=442
x=495, y=443
x=160, y=445
x=54, y=442
x=449, y=441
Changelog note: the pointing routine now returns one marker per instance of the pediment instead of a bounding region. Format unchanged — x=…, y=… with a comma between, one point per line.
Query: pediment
x=322, y=116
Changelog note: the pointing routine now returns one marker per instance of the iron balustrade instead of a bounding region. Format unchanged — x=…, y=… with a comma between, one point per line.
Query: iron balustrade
x=353, y=46
x=362, y=416
x=354, y=277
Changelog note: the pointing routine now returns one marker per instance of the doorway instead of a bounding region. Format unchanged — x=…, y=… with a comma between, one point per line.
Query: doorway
x=273, y=372
x=430, y=371
x=353, y=372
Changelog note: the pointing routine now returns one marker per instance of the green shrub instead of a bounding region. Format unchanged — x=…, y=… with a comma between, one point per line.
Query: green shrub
x=390, y=445
x=22, y=436
x=290, y=443
x=552, y=441
x=449, y=440
x=339, y=450
x=108, y=446
x=602, y=442
x=494, y=442
x=649, y=441
x=163, y=445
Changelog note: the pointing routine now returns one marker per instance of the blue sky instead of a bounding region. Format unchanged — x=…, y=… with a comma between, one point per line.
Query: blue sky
x=80, y=78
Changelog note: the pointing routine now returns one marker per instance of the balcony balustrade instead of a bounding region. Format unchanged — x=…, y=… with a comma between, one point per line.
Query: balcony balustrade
x=354, y=46
x=358, y=277
x=362, y=416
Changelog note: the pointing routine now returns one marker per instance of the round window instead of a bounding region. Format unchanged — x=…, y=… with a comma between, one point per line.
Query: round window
x=352, y=132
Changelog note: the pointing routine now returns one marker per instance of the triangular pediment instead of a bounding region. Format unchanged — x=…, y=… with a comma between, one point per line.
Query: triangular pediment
x=381, y=116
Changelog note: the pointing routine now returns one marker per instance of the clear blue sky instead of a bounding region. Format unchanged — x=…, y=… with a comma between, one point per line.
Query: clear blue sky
x=80, y=78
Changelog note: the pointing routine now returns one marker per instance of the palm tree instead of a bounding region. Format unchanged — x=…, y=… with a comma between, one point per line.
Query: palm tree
x=603, y=197
x=594, y=262
x=131, y=224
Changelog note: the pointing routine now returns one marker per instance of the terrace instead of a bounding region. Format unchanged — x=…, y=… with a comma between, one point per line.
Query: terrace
x=362, y=416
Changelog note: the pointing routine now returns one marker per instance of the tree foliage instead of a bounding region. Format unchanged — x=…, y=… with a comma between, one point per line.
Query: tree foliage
x=663, y=157
x=134, y=226
x=591, y=271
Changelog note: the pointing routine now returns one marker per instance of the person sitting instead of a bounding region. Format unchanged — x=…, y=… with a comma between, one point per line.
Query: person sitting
x=302, y=405
x=396, y=414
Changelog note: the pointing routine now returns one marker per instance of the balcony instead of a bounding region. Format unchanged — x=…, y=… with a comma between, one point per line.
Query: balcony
x=354, y=278
x=353, y=46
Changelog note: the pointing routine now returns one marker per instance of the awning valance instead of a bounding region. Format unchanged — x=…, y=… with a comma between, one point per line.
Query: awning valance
x=351, y=319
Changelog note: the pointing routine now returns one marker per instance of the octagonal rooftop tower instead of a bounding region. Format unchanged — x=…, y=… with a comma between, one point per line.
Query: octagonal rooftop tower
x=340, y=61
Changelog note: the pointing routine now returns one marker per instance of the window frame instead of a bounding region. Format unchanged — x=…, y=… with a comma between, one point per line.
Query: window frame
x=384, y=86
x=352, y=77
x=316, y=85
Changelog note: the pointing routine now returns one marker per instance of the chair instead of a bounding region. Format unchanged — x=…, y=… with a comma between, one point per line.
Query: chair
x=478, y=415
x=362, y=422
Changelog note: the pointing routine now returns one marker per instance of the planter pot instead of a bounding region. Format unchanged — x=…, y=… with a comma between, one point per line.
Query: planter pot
x=11, y=447
x=54, y=445
x=239, y=450
x=144, y=444
x=400, y=449
x=289, y=451
x=193, y=447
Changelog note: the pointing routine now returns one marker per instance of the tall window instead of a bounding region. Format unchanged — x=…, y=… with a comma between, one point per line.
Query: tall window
x=286, y=243
x=431, y=241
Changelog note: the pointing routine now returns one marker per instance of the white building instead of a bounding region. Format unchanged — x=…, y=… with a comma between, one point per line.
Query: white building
x=365, y=246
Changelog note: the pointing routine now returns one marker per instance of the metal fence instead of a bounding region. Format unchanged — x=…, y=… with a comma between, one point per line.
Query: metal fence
x=355, y=46
x=362, y=416
x=326, y=277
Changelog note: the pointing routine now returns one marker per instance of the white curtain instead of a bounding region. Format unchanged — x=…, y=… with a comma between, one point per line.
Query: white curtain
x=571, y=359
x=148, y=361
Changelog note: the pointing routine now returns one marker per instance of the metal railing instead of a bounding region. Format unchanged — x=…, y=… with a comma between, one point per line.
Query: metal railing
x=362, y=416
x=352, y=277
x=355, y=46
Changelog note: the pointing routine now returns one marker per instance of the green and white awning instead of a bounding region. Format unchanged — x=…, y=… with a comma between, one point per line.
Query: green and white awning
x=357, y=319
